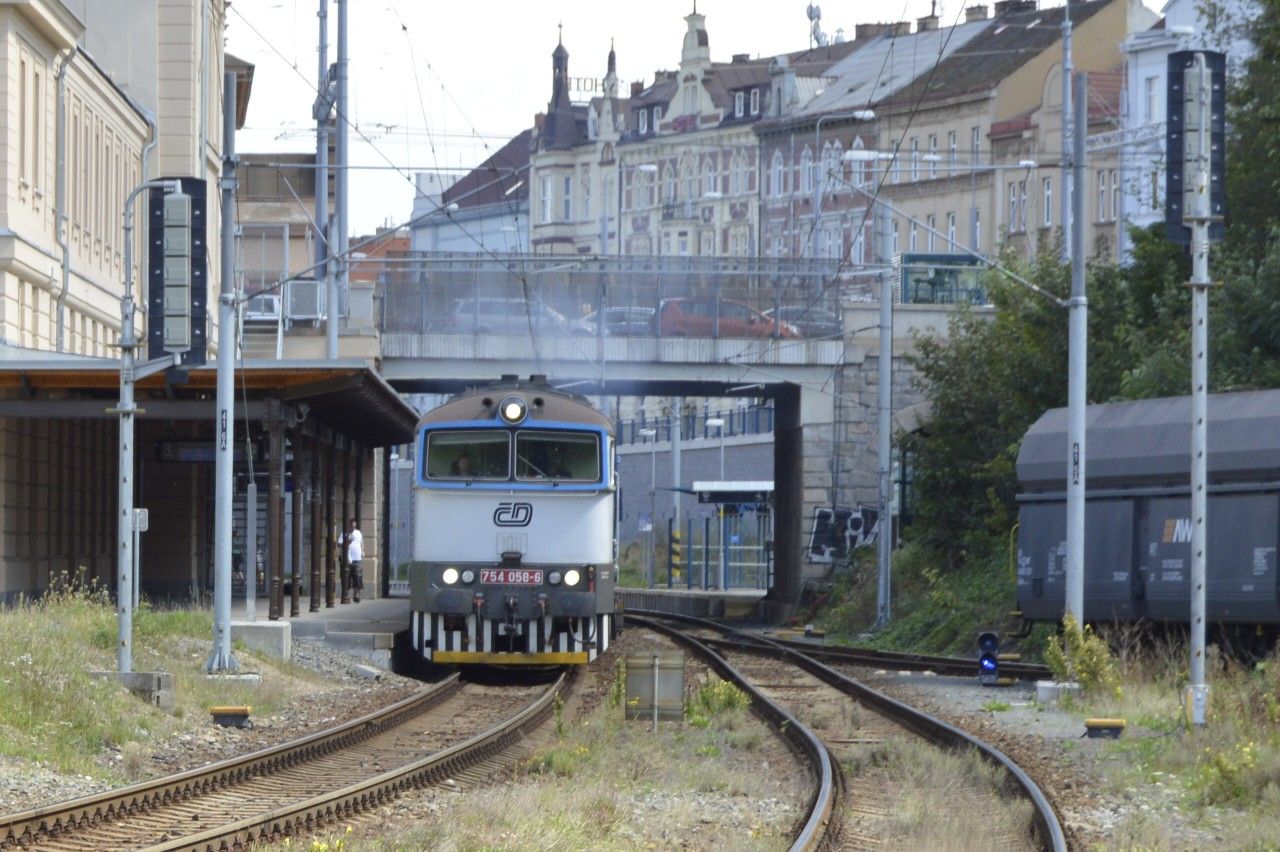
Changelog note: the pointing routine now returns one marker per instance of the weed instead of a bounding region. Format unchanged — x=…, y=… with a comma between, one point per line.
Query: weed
x=1082, y=656
x=618, y=690
x=708, y=750
x=557, y=710
x=717, y=701
x=996, y=706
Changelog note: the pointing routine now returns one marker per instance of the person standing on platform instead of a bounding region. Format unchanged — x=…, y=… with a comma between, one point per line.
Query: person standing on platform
x=355, y=553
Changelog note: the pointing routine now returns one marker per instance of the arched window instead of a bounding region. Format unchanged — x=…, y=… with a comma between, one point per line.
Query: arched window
x=690, y=179
x=778, y=187
x=669, y=179
x=806, y=170
x=710, y=177
x=859, y=166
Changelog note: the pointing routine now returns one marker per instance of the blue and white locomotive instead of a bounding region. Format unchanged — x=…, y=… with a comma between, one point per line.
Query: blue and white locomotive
x=515, y=528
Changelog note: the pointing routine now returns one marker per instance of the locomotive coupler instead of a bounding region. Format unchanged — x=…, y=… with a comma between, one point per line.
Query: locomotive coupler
x=509, y=626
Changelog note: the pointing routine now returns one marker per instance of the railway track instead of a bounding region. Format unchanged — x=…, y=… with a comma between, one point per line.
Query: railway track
x=857, y=721
x=300, y=787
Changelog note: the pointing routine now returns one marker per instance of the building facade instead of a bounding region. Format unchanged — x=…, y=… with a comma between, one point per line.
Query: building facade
x=95, y=103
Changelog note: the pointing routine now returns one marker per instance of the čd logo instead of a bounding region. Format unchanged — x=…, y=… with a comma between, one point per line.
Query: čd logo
x=513, y=514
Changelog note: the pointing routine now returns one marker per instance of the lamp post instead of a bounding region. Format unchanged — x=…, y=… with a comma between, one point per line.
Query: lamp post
x=648, y=433
x=718, y=424
x=1077, y=305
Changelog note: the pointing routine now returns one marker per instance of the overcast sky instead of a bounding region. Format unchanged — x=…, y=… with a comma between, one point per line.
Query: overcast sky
x=441, y=85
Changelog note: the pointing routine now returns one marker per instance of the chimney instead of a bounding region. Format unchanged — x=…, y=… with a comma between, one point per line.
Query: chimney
x=739, y=58
x=975, y=13
x=901, y=28
x=927, y=24
x=637, y=86
x=1010, y=6
x=865, y=31
x=539, y=120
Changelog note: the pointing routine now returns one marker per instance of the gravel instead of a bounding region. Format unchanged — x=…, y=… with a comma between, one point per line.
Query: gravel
x=344, y=693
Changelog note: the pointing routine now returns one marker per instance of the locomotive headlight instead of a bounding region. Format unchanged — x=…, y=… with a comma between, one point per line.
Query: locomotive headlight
x=553, y=578
x=449, y=576
x=571, y=577
x=468, y=576
x=513, y=409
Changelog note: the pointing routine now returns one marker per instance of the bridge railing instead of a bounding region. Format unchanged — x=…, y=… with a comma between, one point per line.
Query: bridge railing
x=751, y=420
x=618, y=297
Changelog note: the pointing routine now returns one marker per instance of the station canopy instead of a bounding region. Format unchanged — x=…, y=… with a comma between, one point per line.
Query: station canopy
x=347, y=396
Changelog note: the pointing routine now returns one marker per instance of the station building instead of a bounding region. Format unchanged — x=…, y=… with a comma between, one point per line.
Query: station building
x=103, y=95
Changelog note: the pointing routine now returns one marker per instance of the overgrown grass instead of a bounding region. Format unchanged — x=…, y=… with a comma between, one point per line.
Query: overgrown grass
x=1227, y=774
x=56, y=713
x=610, y=784
x=933, y=611
x=921, y=775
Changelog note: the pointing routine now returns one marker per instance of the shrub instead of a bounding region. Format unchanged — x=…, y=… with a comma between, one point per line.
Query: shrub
x=716, y=700
x=1082, y=656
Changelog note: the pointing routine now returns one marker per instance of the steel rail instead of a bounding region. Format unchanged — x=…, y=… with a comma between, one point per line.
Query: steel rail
x=821, y=805
x=318, y=811
x=867, y=657
x=26, y=827
x=925, y=725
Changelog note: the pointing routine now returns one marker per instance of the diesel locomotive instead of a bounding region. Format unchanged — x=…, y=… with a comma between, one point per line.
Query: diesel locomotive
x=515, y=528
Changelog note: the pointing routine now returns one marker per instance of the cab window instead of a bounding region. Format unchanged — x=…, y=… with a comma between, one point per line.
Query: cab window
x=466, y=455
x=557, y=456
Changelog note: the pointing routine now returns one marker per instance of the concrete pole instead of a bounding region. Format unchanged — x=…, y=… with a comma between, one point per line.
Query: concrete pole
x=275, y=508
x=251, y=551
x=316, y=490
x=884, y=449
x=298, y=469
x=1065, y=203
x=324, y=272
x=344, y=199
x=1077, y=366
x=344, y=573
x=675, y=459
x=224, y=482
x=330, y=566
x=1199, y=210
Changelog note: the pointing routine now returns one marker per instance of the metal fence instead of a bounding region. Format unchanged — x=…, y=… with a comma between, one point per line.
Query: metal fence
x=549, y=295
x=752, y=420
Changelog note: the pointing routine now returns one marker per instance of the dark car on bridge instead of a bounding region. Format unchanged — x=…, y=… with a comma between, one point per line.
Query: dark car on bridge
x=810, y=320
x=703, y=316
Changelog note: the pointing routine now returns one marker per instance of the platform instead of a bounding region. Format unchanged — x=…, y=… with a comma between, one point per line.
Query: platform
x=367, y=629
x=730, y=604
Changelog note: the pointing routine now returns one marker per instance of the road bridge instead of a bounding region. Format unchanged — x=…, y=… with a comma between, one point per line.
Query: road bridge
x=802, y=334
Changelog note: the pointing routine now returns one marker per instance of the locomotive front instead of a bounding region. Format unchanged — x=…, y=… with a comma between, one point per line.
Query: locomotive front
x=514, y=531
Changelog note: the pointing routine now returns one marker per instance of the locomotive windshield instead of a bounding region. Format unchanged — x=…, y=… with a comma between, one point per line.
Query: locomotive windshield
x=572, y=456
x=468, y=454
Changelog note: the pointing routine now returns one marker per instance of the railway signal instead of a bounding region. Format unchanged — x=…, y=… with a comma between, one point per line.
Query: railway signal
x=988, y=658
x=177, y=283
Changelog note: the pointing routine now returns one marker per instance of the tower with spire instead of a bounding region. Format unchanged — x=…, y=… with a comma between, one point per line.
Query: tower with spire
x=560, y=130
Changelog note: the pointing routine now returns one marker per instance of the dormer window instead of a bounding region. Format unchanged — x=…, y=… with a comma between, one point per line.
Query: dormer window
x=657, y=116
x=644, y=121
x=738, y=102
x=755, y=101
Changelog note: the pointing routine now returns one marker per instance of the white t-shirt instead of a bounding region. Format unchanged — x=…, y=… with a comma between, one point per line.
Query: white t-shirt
x=355, y=546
